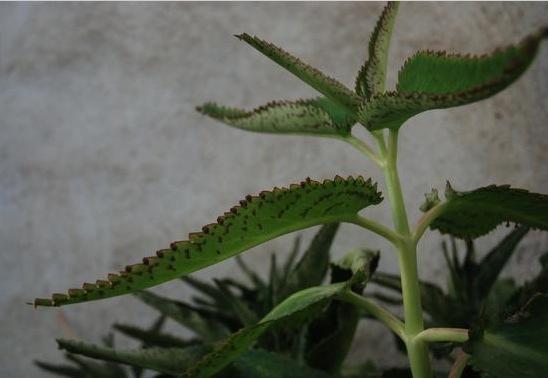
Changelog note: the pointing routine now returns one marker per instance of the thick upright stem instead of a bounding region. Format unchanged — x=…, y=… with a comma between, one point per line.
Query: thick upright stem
x=416, y=349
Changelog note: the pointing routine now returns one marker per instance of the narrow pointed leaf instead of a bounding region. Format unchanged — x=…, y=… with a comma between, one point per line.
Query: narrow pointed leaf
x=292, y=312
x=312, y=267
x=165, y=360
x=437, y=80
x=263, y=364
x=152, y=338
x=327, y=86
x=516, y=348
x=184, y=314
x=319, y=116
x=492, y=264
x=61, y=370
x=477, y=212
x=257, y=220
x=372, y=75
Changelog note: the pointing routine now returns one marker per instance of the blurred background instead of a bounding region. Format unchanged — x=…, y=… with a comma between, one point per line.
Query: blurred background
x=104, y=159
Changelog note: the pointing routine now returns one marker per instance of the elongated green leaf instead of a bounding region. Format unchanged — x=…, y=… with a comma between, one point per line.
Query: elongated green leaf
x=263, y=364
x=197, y=321
x=475, y=213
x=319, y=116
x=372, y=75
x=327, y=86
x=61, y=370
x=257, y=220
x=437, y=80
x=165, y=360
x=490, y=267
x=292, y=312
x=517, y=348
x=312, y=267
x=152, y=338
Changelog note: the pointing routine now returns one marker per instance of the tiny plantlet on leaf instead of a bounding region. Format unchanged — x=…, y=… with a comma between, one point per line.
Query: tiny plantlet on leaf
x=512, y=346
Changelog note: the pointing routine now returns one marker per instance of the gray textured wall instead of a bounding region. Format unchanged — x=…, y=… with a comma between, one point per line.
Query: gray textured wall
x=103, y=158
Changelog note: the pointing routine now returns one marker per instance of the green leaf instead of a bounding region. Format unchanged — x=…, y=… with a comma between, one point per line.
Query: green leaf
x=319, y=116
x=372, y=75
x=312, y=267
x=327, y=86
x=491, y=265
x=477, y=212
x=516, y=348
x=257, y=220
x=62, y=370
x=152, y=338
x=437, y=80
x=197, y=321
x=292, y=312
x=263, y=364
x=165, y=360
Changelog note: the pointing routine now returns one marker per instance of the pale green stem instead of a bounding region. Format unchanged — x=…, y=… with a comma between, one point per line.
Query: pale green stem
x=364, y=148
x=457, y=335
x=377, y=228
x=375, y=310
x=417, y=349
x=426, y=220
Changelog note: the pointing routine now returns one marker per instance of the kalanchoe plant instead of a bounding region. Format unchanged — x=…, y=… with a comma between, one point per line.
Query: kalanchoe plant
x=427, y=80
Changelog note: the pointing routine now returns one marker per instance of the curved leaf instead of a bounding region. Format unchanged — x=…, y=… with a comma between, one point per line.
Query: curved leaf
x=257, y=220
x=327, y=86
x=151, y=337
x=292, y=312
x=318, y=116
x=372, y=75
x=165, y=360
x=437, y=80
x=475, y=213
x=517, y=348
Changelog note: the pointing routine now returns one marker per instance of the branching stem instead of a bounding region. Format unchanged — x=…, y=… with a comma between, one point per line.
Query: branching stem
x=457, y=335
x=426, y=220
x=382, y=314
x=377, y=228
x=364, y=148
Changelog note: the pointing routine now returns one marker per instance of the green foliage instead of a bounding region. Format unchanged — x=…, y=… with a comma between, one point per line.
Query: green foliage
x=475, y=213
x=436, y=80
x=290, y=325
x=372, y=75
x=327, y=86
x=256, y=220
x=515, y=348
x=293, y=311
x=319, y=116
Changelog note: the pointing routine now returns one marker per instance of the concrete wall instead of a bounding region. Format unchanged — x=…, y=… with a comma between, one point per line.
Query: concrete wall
x=104, y=160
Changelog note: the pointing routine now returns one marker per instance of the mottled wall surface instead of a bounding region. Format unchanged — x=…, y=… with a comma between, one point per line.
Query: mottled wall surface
x=104, y=160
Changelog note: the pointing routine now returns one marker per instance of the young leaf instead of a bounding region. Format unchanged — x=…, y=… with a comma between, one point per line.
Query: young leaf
x=257, y=220
x=517, y=348
x=165, y=360
x=189, y=317
x=319, y=116
x=477, y=212
x=327, y=86
x=293, y=311
x=372, y=75
x=62, y=370
x=437, y=80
